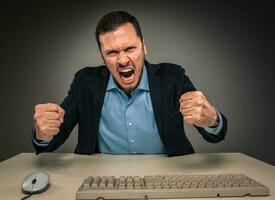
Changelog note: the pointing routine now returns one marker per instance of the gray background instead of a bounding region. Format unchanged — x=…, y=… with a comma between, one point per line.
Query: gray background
x=227, y=48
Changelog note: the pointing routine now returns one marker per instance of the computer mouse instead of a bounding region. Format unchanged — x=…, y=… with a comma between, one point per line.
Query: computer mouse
x=36, y=182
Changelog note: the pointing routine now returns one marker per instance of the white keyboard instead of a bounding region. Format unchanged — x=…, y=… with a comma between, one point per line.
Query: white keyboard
x=169, y=186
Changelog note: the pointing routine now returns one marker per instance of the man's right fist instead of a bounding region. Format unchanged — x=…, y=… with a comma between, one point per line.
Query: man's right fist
x=47, y=120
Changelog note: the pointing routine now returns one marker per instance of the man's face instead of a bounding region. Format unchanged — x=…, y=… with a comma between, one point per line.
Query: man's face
x=123, y=52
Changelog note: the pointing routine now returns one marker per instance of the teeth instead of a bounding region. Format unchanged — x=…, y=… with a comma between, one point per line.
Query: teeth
x=126, y=70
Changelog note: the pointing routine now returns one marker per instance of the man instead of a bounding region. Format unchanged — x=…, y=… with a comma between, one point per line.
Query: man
x=127, y=106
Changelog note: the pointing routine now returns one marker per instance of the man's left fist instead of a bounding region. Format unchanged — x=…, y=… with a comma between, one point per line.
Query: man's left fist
x=197, y=110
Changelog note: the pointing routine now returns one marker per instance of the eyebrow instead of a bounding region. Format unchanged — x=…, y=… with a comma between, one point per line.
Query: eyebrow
x=108, y=51
x=130, y=47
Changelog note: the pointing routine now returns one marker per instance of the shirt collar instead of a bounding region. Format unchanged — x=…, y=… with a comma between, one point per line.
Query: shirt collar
x=143, y=84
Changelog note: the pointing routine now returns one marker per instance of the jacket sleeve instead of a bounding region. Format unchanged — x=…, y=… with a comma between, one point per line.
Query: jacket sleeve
x=211, y=137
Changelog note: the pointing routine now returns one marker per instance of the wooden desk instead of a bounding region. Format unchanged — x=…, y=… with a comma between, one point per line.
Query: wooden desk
x=68, y=170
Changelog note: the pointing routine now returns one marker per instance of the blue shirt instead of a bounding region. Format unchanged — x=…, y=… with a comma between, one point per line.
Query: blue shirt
x=127, y=124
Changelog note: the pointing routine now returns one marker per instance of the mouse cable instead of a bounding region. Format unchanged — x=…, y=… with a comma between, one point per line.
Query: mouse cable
x=26, y=197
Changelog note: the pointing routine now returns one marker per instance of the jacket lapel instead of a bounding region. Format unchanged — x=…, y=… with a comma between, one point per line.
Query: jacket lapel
x=102, y=81
x=155, y=86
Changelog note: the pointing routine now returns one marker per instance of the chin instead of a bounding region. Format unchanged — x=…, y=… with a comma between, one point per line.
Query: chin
x=128, y=89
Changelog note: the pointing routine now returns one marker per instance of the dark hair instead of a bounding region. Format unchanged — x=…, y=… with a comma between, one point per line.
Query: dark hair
x=111, y=21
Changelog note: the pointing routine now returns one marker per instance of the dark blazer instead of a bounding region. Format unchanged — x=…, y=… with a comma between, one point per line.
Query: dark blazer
x=167, y=82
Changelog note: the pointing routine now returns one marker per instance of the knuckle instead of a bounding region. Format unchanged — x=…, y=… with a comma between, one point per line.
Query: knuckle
x=37, y=107
x=60, y=109
x=199, y=93
x=52, y=106
x=35, y=116
x=39, y=123
x=200, y=102
x=49, y=106
x=197, y=103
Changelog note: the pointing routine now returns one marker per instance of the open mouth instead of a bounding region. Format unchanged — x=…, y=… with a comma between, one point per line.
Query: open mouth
x=127, y=74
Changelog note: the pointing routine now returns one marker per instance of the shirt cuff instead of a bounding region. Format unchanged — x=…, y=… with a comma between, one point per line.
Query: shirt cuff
x=42, y=143
x=216, y=130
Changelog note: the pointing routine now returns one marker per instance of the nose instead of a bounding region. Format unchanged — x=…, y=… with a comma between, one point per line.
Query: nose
x=123, y=59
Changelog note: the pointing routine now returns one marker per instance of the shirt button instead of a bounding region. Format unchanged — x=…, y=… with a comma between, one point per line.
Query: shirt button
x=132, y=141
x=130, y=124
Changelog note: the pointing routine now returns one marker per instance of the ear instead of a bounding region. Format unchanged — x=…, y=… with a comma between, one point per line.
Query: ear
x=144, y=47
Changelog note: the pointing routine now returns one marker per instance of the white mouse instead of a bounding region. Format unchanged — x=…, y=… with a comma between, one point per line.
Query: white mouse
x=36, y=182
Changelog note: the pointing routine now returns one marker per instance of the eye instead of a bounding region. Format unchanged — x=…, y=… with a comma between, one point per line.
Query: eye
x=130, y=49
x=112, y=53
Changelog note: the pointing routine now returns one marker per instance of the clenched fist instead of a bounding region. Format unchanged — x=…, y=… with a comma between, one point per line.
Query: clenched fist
x=47, y=120
x=197, y=110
